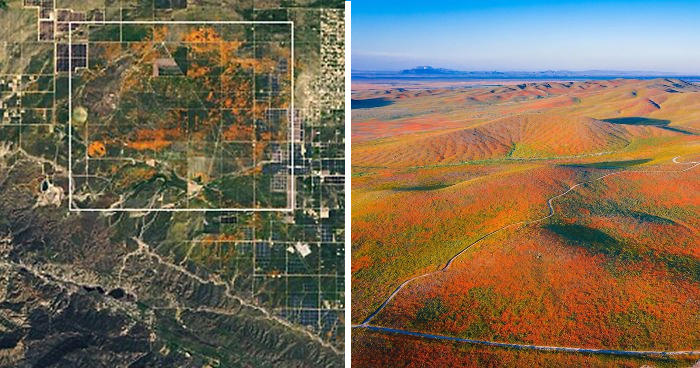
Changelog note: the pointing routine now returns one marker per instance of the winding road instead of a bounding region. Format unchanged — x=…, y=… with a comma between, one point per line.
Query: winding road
x=366, y=323
x=561, y=349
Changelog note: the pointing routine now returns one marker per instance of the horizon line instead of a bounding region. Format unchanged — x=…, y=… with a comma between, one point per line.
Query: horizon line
x=647, y=72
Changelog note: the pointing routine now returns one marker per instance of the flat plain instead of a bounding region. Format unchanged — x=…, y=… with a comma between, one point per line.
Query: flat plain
x=555, y=214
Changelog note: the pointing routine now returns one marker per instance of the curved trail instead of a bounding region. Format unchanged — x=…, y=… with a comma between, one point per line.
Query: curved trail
x=365, y=323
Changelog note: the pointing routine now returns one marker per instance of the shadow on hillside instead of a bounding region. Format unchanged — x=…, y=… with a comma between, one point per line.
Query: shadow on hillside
x=370, y=103
x=599, y=242
x=590, y=238
x=638, y=120
x=609, y=164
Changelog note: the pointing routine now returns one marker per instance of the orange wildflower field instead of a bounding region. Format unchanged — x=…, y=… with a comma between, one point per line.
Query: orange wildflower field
x=561, y=214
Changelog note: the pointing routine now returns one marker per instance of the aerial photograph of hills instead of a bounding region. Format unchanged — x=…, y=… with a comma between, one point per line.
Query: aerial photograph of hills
x=525, y=184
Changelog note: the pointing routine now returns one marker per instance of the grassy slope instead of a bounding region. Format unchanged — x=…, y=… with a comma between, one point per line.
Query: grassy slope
x=398, y=233
x=613, y=268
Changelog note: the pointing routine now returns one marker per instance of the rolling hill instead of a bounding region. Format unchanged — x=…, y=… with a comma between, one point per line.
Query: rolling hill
x=548, y=213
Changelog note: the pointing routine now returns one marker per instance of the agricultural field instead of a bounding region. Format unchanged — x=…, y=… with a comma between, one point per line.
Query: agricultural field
x=172, y=183
x=554, y=214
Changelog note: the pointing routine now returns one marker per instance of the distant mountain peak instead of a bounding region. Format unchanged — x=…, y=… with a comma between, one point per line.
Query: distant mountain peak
x=427, y=69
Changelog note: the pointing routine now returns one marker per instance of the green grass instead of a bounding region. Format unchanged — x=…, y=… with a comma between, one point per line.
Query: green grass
x=520, y=150
x=104, y=33
x=135, y=32
x=426, y=187
x=432, y=310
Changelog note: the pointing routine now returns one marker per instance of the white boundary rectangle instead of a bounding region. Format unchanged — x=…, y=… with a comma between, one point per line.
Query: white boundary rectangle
x=292, y=192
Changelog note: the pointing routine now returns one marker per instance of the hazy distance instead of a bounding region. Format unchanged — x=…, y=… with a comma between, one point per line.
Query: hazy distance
x=653, y=36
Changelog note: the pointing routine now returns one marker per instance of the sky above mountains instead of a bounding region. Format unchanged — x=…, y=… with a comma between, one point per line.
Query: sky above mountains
x=659, y=36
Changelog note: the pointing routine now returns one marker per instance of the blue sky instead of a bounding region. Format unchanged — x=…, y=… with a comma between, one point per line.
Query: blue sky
x=527, y=35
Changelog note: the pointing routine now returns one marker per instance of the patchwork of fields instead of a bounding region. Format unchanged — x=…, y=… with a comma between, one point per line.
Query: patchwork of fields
x=172, y=187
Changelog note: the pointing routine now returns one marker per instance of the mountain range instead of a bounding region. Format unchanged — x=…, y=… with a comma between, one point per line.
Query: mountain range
x=433, y=72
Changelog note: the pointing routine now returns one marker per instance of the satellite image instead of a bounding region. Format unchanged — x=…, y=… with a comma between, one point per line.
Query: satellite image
x=172, y=183
x=532, y=199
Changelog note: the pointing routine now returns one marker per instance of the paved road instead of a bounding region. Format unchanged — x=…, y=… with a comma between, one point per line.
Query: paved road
x=550, y=201
x=564, y=349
